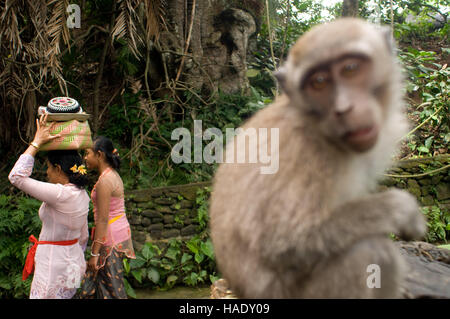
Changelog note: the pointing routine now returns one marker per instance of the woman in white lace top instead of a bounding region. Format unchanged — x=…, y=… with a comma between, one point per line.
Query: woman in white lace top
x=57, y=257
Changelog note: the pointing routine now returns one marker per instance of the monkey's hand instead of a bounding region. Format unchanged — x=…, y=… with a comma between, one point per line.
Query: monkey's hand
x=408, y=219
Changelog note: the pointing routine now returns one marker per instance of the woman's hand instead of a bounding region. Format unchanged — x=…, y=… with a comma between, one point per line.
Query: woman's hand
x=92, y=264
x=43, y=135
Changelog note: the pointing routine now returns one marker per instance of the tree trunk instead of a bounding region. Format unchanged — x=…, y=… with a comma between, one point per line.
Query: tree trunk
x=206, y=45
x=350, y=8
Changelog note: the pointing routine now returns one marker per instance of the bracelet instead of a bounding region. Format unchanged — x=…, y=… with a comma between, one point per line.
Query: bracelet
x=94, y=255
x=99, y=241
x=35, y=145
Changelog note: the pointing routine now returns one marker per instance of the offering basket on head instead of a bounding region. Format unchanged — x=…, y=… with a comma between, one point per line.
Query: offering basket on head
x=71, y=123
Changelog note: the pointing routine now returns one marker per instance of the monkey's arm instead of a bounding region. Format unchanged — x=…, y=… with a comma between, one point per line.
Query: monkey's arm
x=392, y=211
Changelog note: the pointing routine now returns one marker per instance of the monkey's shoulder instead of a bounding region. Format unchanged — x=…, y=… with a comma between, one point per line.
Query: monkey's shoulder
x=278, y=114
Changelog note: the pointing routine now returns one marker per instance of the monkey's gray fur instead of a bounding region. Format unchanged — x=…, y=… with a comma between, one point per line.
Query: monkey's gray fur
x=312, y=229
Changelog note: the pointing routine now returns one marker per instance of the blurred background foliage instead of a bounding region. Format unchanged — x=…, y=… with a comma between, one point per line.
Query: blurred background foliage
x=115, y=67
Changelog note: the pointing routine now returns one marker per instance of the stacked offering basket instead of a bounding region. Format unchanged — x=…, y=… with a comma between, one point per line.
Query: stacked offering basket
x=71, y=123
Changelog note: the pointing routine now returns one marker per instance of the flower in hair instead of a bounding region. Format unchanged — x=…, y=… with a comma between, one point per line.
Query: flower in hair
x=79, y=169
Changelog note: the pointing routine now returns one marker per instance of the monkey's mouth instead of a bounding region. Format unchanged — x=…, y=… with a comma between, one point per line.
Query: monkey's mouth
x=362, y=139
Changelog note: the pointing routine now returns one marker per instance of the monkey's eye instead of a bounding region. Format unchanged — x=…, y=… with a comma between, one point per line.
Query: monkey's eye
x=350, y=69
x=319, y=81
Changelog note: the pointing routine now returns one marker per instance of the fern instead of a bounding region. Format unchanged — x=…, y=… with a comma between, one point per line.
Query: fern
x=18, y=220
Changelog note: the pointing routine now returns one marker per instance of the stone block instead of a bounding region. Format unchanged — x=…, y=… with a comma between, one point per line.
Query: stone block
x=414, y=188
x=145, y=205
x=412, y=183
x=427, y=190
x=135, y=220
x=389, y=182
x=425, y=181
x=138, y=236
x=436, y=179
x=141, y=196
x=186, y=204
x=156, y=234
x=184, y=212
x=443, y=191
x=164, y=209
x=168, y=219
x=152, y=214
x=427, y=200
x=164, y=201
x=157, y=193
x=158, y=226
x=193, y=213
x=189, y=221
x=177, y=225
x=189, y=230
x=169, y=233
x=172, y=194
x=189, y=193
x=146, y=221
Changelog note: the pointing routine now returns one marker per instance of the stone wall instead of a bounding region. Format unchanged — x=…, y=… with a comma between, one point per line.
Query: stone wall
x=430, y=190
x=158, y=214
x=161, y=213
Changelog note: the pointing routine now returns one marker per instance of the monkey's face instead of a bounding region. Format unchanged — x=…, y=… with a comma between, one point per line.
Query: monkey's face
x=339, y=76
x=339, y=97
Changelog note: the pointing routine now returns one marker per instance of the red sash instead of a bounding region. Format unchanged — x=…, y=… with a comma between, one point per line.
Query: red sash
x=29, y=262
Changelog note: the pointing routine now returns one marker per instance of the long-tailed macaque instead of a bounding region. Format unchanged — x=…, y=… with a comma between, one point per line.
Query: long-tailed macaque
x=316, y=228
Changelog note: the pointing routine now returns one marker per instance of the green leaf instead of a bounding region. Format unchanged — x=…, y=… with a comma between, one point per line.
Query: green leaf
x=423, y=149
x=153, y=275
x=193, y=278
x=167, y=266
x=5, y=283
x=447, y=138
x=188, y=267
x=138, y=262
x=213, y=278
x=126, y=265
x=171, y=280
x=185, y=258
x=207, y=248
x=130, y=291
x=251, y=73
x=192, y=246
x=172, y=253
x=203, y=274
x=147, y=251
x=137, y=274
x=199, y=258
x=428, y=142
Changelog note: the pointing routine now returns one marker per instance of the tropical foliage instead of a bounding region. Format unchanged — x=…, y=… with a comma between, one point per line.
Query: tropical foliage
x=122, y=68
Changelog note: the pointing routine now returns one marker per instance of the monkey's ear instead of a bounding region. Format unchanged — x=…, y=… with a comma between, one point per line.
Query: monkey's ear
x=389, y=38
x=280, y=75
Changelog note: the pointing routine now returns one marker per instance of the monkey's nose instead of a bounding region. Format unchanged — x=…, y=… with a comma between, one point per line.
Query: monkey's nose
x=343, y=110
